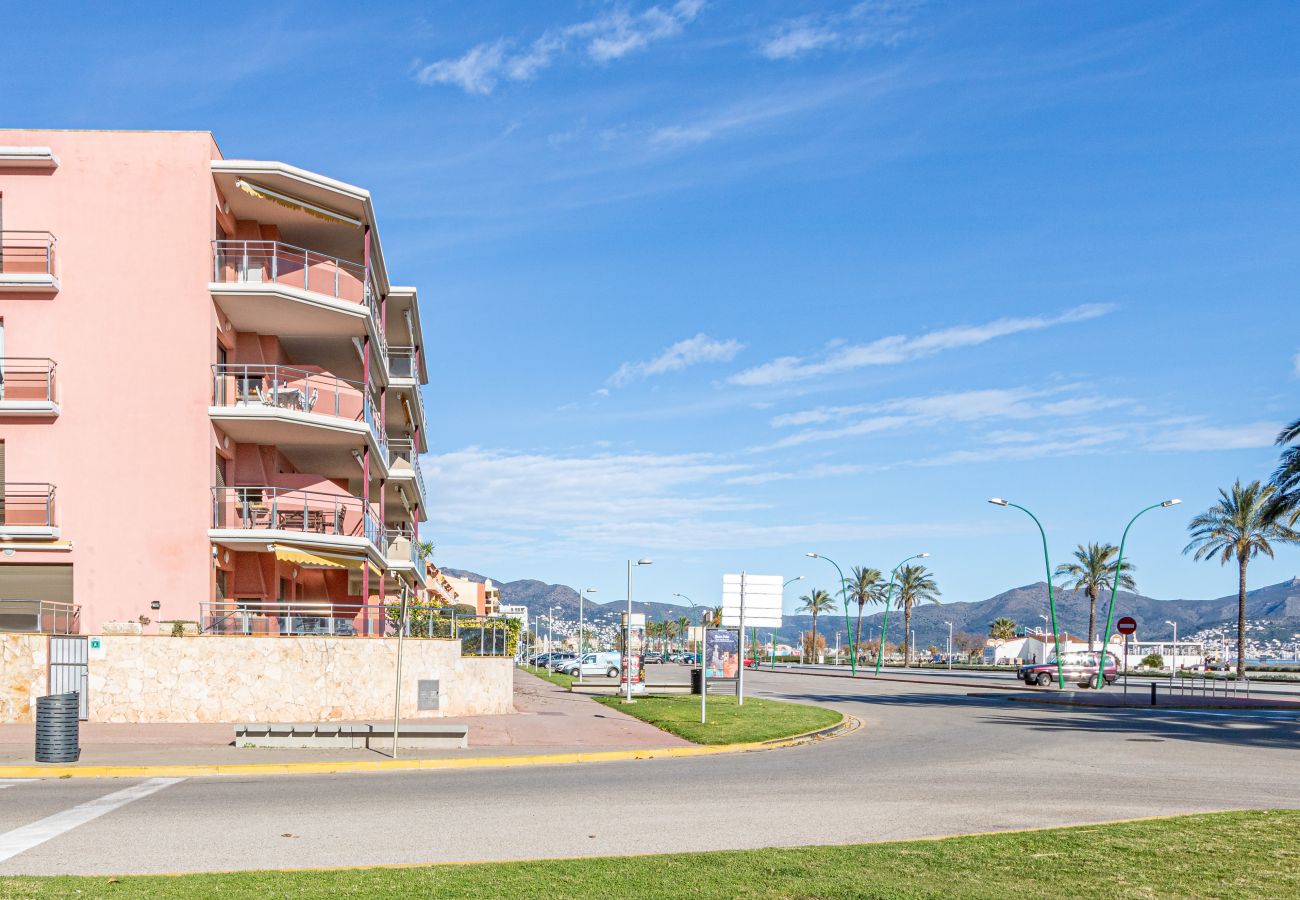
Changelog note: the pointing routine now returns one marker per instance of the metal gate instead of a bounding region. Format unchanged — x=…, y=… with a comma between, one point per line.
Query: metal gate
x=68, y=670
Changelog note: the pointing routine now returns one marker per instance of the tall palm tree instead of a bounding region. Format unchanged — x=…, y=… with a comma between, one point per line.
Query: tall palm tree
x=816, y=603
x=1003, y=629
x=1240, y=526
x=1287, y=477
x=714, y=615
x=865, y=586
x=1092, y=572
x=683, y=631
x=914, y=586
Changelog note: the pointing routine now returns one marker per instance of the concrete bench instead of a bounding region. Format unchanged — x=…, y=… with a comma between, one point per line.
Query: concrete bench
x=350, y=736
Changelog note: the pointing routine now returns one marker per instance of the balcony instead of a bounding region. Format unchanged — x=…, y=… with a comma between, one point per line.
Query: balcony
x=28, y=511
x=264, y=514
x=28, y=262
x=405, y=463
x=40, y=617
x=275, y=288
x=403, y=551
x=28, y=387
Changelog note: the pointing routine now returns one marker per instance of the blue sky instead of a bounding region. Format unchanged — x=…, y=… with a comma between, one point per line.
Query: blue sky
x=722, y=282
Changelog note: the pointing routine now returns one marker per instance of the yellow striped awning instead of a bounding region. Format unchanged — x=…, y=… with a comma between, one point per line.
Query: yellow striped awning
x=290, y=202
x=313, y=560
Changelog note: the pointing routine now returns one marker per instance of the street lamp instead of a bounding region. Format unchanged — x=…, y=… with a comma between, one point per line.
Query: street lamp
x=949, y=624
x=627, y=634
x=1174, y=665
x=692, y=603
x=783, y=587
x=1051, y=597
x=550, y=621
x=1114, y=587
x=880, y=652
x=582, y=634
x=844, y=595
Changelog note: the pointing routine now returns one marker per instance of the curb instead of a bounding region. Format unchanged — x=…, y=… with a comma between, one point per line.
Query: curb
x=846, y=725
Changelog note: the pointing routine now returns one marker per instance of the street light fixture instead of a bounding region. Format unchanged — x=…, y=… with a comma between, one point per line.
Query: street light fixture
x=1174, y=664
x=692, y=603
x=1114, y=587
x=627, y=633
x=949, y=624
x=844, y=596
x=1051, y=596
x=783, y=587
x=884, y=626
x=582, y=633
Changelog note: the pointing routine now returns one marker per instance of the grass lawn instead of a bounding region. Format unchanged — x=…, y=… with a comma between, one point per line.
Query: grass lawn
x=1227, y=855
x=563, y=681
x=757, y=720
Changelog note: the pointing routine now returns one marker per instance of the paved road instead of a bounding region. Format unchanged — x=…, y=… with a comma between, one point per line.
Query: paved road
x=931, y=761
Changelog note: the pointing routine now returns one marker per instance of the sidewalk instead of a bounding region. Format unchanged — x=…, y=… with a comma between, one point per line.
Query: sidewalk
x=547, y=720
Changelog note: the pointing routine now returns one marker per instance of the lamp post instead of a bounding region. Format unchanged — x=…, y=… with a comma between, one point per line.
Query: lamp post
x=949, y=624
x=783, y=587
x=582, y=634
x=627, y=633
x=550, y=622
x=1051, y=597
x=889, y=592
x=1174, y=665
x=692, y=603
x=844, y=596
x=1114, y=587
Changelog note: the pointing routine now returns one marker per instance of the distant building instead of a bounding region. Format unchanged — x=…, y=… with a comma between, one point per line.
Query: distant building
x=485, y=597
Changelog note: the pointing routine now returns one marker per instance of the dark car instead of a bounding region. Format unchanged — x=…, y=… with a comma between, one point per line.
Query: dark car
x=1079, y=667
x=651, y=659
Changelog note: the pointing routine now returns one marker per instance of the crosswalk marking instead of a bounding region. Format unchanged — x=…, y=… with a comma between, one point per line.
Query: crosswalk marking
x=26, y=837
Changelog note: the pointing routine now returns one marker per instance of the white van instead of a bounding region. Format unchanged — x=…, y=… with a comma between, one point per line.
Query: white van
x=595, y=664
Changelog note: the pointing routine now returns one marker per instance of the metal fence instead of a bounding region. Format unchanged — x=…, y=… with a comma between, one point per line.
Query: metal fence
x=288, y=387
x=40, y=617
x=1207, y=686
x=27, y=253
x=27, y=504
x=30, y=378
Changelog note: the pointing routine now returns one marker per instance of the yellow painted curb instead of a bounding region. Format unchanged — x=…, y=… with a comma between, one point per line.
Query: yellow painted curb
x=846, y=724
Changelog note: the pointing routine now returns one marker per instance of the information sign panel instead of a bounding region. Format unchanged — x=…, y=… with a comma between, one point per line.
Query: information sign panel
x=762, y=596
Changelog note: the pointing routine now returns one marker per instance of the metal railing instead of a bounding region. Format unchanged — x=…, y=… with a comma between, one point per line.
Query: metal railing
x=287, y=387
x=283, y=509
x=27, y=253
x=30, y=378
x=404, y=449
x=27, y=504
x=1208, y=686
x=371, y=415
x=401, y=544
x=401, y=361
x=40, y=617
x=275, y=262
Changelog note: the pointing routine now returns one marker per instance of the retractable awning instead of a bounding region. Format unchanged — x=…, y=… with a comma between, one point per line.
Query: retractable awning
x=295, y=203
x=313, y=560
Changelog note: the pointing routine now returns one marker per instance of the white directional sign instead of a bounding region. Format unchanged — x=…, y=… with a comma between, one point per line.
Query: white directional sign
x=762, y=600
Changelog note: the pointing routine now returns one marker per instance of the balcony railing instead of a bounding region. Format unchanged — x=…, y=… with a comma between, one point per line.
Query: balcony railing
x=273, y=262
x=40, y=617
x=268, y=508
x=287, y=387
x=404, y=449
x=478, y=635
x=401, y=545
x=27, y=378
x=377, y=428
x=27, y=505
x=27, y=253
x=401, y=361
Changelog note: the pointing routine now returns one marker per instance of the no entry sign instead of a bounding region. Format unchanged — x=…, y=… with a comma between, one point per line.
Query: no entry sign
x=1126, y=625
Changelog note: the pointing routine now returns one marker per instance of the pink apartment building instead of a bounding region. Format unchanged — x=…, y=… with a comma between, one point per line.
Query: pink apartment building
x=210, y=395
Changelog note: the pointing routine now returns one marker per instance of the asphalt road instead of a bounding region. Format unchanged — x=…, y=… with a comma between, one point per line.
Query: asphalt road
x=930, y=761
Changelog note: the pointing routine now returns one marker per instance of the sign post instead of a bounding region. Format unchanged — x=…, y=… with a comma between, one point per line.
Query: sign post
x=704, y=673
x=1125, y=625
x=750, y=598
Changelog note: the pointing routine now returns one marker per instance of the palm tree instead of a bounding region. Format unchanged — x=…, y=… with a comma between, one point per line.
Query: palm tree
x=1239, y=527
x=816, y=603
x=683, y=631
x=865, y=586
x=715, y=616
x=1003, y=629
x=1287, y=477
x=914, y=586
x=1094, y=572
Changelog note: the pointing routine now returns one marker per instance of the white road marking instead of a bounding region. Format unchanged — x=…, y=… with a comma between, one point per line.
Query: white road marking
x=28, y=836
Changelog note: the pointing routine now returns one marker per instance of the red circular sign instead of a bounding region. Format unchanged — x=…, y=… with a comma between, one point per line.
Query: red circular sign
x=1126, y=625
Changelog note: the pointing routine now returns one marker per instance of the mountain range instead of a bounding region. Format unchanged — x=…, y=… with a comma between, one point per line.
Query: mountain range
x=1025, y=605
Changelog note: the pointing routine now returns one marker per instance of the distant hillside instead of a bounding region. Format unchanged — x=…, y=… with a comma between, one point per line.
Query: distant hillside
x=1278, y=602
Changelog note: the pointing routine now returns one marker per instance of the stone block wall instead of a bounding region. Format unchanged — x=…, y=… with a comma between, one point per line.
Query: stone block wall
x=155, y=678
x=24, y=675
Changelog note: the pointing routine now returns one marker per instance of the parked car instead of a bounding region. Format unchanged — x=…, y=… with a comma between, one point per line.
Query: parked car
x=1079, y=667
x=652, y=659
x=594, y=664
x=559, y=659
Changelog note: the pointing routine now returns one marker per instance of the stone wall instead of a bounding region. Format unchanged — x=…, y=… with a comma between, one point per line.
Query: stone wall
x=24, y=675
x=152, y=678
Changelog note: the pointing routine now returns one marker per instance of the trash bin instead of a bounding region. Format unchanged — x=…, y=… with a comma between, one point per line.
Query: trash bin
x=58, y=731
x=697, y=680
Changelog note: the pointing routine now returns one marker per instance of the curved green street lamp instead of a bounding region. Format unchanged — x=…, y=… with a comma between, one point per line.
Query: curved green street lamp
x=844, y=596
x=880, y=651
x=1114, y=587
x=1051, y=598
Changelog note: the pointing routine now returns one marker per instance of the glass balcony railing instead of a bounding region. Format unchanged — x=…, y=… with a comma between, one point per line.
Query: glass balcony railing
x=401, y=545
x=28, y=253
x=403, y=449
x=288, y=387
x=268, y=508
x=401, y=361
x=27, y=505
x=27, y=378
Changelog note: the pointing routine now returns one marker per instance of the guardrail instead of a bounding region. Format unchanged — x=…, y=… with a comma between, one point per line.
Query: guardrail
x=27, y=504
x=40, y=617
x=29, y=378
x=275, y=262
x=1202, y=686
x=27, y=253
x=262, y=507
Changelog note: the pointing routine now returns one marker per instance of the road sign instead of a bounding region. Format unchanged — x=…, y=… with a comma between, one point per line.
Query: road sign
x=762, y=600
x=1126, y=625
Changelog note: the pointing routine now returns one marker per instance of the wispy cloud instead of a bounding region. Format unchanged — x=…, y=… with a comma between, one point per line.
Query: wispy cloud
x=876, y=22
x=896, y=349
x=602, y=39
x=818, y=471
x=684, y=353
x=1215, y=437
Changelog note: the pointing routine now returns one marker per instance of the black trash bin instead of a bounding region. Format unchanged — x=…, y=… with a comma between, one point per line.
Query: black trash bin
x=697, y=680
x=58, y=730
